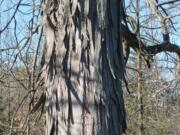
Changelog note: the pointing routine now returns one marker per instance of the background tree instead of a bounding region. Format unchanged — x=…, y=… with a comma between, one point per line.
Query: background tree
x=159, y=81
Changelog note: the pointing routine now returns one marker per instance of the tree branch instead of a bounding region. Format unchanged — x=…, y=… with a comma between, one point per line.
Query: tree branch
x=163, y=47
x=147, y=51
x=156, y=12
x=11, y=17
x=168, y=2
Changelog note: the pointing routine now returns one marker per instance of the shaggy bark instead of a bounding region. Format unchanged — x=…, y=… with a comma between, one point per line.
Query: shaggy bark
x=83, y=67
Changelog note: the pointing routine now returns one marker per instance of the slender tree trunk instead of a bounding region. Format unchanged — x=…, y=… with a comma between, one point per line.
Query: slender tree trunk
x=140, y=96
x=139, y=78
x=178, y=68
x=83, y=67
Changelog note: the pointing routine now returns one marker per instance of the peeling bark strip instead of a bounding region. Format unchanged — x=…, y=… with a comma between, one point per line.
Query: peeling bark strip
x=83, y=67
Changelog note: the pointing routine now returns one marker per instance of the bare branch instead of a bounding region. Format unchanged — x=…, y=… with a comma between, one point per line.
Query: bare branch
x=167, y=2
x=6, y=49
x=163, y=47
x=154, y=9
x=5, y=27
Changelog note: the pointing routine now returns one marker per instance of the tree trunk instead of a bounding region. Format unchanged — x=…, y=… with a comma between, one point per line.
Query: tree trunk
x=140, y=96
x=178, y=67
x=83, y=67
x=139, y=78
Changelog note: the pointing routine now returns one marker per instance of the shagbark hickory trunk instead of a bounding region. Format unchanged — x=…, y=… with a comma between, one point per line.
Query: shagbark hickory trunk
x=83, y=67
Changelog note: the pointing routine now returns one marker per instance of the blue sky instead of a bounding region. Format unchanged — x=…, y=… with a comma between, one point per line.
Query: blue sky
x=23, y=19
x=7, y=8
